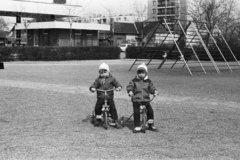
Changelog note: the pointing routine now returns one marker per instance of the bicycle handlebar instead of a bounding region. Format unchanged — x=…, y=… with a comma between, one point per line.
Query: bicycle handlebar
x=146, y=101
x=106, y=90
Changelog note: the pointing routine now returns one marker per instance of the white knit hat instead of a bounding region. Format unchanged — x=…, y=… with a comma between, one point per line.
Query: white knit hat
x=104, y=66
x=142, y=67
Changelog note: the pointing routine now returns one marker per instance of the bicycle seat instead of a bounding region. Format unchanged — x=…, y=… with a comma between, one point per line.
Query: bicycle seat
x=105, y=108
x=142, y=107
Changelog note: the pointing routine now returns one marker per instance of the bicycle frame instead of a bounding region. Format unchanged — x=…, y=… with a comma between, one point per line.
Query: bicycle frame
x=105, y=107
x=143, y=113
x=143, y=106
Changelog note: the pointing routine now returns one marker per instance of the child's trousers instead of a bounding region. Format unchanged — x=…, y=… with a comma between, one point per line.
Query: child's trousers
x=111, y=103
x=136, y=114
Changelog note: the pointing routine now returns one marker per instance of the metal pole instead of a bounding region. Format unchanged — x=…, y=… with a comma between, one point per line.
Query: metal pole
x=145, y=45
x=206, y=49
x=192, y=48
x=217, y=47
x=227, y=45
x=177, y=47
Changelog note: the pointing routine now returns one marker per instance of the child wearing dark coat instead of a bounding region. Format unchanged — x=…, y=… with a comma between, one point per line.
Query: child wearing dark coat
x=105, y=81
x=140, y=89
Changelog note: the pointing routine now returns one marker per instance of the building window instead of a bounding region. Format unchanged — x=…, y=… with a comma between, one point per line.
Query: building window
x=89, y=40
x=119, y=41
x=104, y=21
x=154, y=11
x=45, y=37
x=154, y=3
x=78, y=39
x=36, y=37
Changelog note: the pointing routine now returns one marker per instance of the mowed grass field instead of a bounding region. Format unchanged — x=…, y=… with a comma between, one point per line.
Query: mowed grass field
x=45, y=110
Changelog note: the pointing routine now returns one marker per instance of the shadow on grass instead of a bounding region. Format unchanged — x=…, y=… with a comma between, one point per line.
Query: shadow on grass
x=128, y=121
x=88, y=119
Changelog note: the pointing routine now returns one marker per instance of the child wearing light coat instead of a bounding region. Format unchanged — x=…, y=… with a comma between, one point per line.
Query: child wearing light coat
x=140, y=89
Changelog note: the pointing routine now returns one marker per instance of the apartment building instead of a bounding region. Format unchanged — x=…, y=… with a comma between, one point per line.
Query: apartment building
x=168, y=9
x=103, y=19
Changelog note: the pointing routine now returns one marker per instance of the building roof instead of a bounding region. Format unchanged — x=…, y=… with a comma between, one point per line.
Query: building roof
x=125, y=28
x=136, y=28
x=147, y=26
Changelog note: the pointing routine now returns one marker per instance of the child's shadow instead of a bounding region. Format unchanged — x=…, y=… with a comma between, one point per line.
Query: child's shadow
x=88, y=119
x=128, y=122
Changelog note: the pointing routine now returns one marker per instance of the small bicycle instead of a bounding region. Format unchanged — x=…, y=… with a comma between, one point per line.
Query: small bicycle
x=105, y=110
x=143, y=114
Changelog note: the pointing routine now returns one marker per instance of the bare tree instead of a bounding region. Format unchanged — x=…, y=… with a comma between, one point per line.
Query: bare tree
x=140, y=10
x=216, y=12
x=109, y=11
x=26, y=18
x=73, y=11
x=3, y=27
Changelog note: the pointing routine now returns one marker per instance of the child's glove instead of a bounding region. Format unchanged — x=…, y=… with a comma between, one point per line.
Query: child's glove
x=93, y=89
x=155, y=93
x=130, y=94
x=119, y=89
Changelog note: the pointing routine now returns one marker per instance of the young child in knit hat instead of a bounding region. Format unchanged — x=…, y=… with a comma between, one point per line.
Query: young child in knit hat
x=105, y=81
x=140, y=89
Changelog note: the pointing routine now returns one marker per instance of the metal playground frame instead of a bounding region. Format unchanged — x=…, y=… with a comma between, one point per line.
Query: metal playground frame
x=187, y=44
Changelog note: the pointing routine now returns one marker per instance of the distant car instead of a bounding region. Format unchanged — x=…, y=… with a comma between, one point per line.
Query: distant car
x=124, y=46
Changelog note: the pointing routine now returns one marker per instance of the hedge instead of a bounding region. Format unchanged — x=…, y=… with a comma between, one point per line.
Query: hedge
x=132, y=53
x=58, y=53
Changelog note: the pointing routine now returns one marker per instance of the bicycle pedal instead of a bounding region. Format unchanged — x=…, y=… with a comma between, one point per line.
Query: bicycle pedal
x=112, y=124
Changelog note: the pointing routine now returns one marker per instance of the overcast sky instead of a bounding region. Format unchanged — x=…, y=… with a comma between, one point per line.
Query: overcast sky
x=101, y=6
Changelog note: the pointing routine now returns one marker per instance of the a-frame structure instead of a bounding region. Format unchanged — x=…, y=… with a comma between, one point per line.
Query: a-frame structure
x=187, y=44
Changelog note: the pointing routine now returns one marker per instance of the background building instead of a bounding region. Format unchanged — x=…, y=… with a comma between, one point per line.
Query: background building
x=168, y=9
x=43, y=25
x=106, y=19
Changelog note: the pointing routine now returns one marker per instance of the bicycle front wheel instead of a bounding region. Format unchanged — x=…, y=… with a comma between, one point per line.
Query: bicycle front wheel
x=144, y=120
x=105, y=118
x=93, y=119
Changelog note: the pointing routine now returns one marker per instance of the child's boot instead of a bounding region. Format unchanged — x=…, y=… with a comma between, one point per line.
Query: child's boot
x=112, y=122
x=152, y=127
x=115, y=124
x=137, y=129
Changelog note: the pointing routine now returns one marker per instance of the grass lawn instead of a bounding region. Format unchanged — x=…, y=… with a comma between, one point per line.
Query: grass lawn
x=46, y=107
